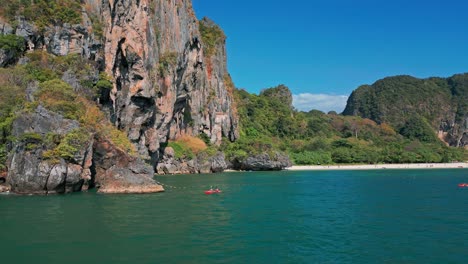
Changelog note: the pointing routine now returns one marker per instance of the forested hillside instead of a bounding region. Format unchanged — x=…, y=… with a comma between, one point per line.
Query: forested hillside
x=268, y=122
x=417, y=108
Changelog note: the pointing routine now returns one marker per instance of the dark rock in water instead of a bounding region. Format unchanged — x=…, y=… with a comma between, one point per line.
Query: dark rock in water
x=201, y=164
x=218, y=163
x=118, y=172
x=263, y=162
x=31, y=173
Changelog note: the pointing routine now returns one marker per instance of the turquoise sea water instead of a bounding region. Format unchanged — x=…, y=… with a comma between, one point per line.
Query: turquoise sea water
x=385, y=216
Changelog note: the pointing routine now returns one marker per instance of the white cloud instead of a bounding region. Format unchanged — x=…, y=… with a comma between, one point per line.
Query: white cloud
x=322, y=102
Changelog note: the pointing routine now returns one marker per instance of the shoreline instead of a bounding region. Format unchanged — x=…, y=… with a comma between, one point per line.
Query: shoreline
x=458, y=165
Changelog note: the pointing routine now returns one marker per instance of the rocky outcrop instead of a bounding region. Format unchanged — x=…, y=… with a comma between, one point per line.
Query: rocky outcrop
x=28, y=171
x=95, y=161
x=117, y=172
x=280, y=92
x=59, y=40
x=263, y=162
x=169, y=164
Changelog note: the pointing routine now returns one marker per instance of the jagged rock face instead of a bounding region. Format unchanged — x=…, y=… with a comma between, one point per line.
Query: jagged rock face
x=97, y=162
x=164, y=85
x=117, y=172
x=29, y=172
x=58, y=40
x=263, y=162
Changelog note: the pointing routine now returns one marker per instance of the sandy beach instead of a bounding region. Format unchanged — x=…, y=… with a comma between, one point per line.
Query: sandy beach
x=460, y=165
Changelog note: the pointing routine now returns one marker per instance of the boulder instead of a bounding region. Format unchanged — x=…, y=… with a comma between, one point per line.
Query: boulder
x=119, y=172
x=168, y=164
x=263, y=162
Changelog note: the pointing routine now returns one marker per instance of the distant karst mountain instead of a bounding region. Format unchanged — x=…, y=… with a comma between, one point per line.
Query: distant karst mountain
x=417, y=108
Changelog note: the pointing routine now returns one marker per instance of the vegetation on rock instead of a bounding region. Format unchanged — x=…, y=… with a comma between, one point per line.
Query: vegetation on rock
x=414, y=107
x=68, y=146
x=187, y=147
x=43, y=13
x=212, y=35
x=57, y=96
x=12, y=44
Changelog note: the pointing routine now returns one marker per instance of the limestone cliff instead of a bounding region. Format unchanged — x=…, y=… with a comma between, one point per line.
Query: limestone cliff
x=165, y=85
x=169, y=80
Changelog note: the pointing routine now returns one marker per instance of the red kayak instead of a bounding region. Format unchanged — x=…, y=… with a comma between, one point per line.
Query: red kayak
x=212, y=191
x=463, y=185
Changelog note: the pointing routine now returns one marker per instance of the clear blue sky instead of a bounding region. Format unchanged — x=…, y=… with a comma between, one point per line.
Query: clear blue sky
x=331, y=47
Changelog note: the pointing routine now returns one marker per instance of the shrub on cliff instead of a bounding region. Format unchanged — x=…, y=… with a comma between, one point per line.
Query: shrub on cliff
x=212, y=35
x=58, y=96
x=43, y=13
x=68, y=146
x=12, y=44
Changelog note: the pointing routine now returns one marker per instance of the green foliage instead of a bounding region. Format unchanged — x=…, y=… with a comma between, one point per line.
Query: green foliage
x=31, y=141
x=280, y=92
x=205, y=138
x=12, y=43
x=212, y=35
x=40, y=74
x=181, y=150
x=311, y=157
x=68, y=147
x=246, y=146
x=418, y=128
x=120, y=139
x=105, y=82
x=3, y=157
x=459, y=88
x=44, y=13
x=12, y=99
x=268, y=124
x=207, y=153
x=98, y=27
x=58, y=96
